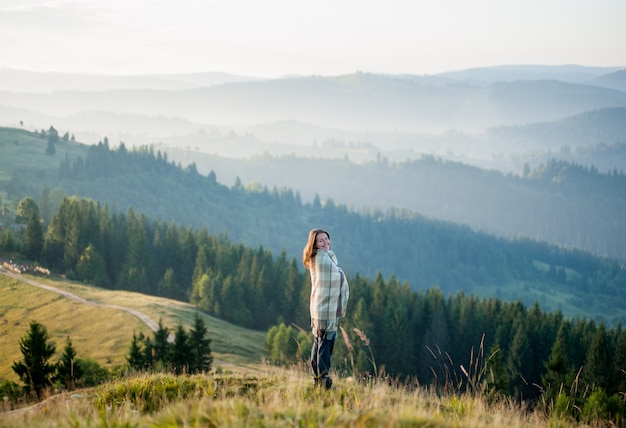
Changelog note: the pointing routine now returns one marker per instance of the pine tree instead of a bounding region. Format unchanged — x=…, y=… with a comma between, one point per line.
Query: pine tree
x=599, y=370
x=33, y=238
x=518, y=366
x=496, y=376
x=149, y=362
x=558, y=373
x=181, y=351
x=200, y=346
x=134, y=272
x=69, y=369
x=136, y=358
x=620, y=361
x=45, y=205
x=168, y=286
x=161, y=346
x=91, y=268
x=35, y=370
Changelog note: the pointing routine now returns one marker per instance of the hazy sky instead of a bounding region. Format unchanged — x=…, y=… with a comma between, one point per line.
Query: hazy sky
x=271, y=38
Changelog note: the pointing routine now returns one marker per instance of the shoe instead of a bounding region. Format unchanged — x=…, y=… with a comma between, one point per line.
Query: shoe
x=328, y=382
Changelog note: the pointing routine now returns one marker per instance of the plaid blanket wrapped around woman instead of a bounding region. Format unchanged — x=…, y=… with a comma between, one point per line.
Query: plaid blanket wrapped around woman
x=329, y=292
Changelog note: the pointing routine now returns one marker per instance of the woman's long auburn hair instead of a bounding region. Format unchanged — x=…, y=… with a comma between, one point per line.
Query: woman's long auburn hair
x=310, y=250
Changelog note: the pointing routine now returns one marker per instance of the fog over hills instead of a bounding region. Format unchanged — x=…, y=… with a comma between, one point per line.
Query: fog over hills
x=260, y=131
x=471, y=116
x=616, y=80
x=355, y=102
x=507, y=73
x=493, y=117
x=29, y=81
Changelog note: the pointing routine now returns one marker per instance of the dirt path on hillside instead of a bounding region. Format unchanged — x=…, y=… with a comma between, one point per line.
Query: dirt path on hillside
x=143, y=317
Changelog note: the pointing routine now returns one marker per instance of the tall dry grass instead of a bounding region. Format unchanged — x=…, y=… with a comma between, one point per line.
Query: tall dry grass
x=271, y=397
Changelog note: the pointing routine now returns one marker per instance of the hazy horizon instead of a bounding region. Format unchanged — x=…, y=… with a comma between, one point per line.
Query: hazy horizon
x=280, y=38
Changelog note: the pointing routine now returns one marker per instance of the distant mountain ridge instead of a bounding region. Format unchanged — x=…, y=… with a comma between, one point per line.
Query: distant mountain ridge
x=616, y=80
x=596, y=126
x=353, y=102
x=565, y=73
x=32, y=82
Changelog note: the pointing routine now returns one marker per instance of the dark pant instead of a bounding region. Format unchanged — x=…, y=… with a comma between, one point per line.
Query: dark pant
x=323, y=345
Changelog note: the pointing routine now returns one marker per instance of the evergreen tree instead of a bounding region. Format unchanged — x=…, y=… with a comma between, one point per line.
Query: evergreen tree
x=33, y=238
x=181, y=351
x=558, y=374
x=231, y=299
x=35, y=370
x=289, y=301
x=69, y=369
x=7, y=242
x=200, y=347
x=136, y=358
x=134, y=274
x=201, y=264
x=620, y=361
x=161, y=346
x=496, y=375
x=45, y=205
x=599, y=369
x=168, y=286
x=149, y=362
x=50, y=149
x=518, y=366
x=91, y=268
x=52, y=135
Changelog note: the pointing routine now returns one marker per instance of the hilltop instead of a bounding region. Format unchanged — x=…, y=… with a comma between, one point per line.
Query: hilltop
x=273, y=397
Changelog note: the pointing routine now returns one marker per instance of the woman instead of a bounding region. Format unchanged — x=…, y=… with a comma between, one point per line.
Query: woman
x=329, y=298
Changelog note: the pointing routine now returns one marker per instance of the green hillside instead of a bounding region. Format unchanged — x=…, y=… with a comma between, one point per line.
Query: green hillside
x=103, y=333
x=24, y=165
x=420, y=250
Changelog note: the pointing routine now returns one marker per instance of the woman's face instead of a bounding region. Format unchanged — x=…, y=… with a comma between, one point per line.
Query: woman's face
x=322, y=241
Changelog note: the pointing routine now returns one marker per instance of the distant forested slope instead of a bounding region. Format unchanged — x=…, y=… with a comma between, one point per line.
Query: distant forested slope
x=411, y=247
x=558, y=202
x=603, y=126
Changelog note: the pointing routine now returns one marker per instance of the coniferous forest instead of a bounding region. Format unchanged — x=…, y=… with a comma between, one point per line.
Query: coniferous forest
x=422, y=251
x=403, y=329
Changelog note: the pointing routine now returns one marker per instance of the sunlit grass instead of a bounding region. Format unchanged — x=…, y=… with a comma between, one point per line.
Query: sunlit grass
x=269, y=397
x=101, y=333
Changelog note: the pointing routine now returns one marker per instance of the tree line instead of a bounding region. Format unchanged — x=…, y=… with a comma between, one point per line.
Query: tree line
x=420, y=250
x=183, y=352
x=423, y=251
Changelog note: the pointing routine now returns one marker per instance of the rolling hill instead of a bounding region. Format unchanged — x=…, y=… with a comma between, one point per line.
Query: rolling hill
x=107, y=335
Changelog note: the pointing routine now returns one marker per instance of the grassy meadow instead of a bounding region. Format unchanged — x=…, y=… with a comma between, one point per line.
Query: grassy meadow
x=269, y=397
x=22, y=148
x=103, y=333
